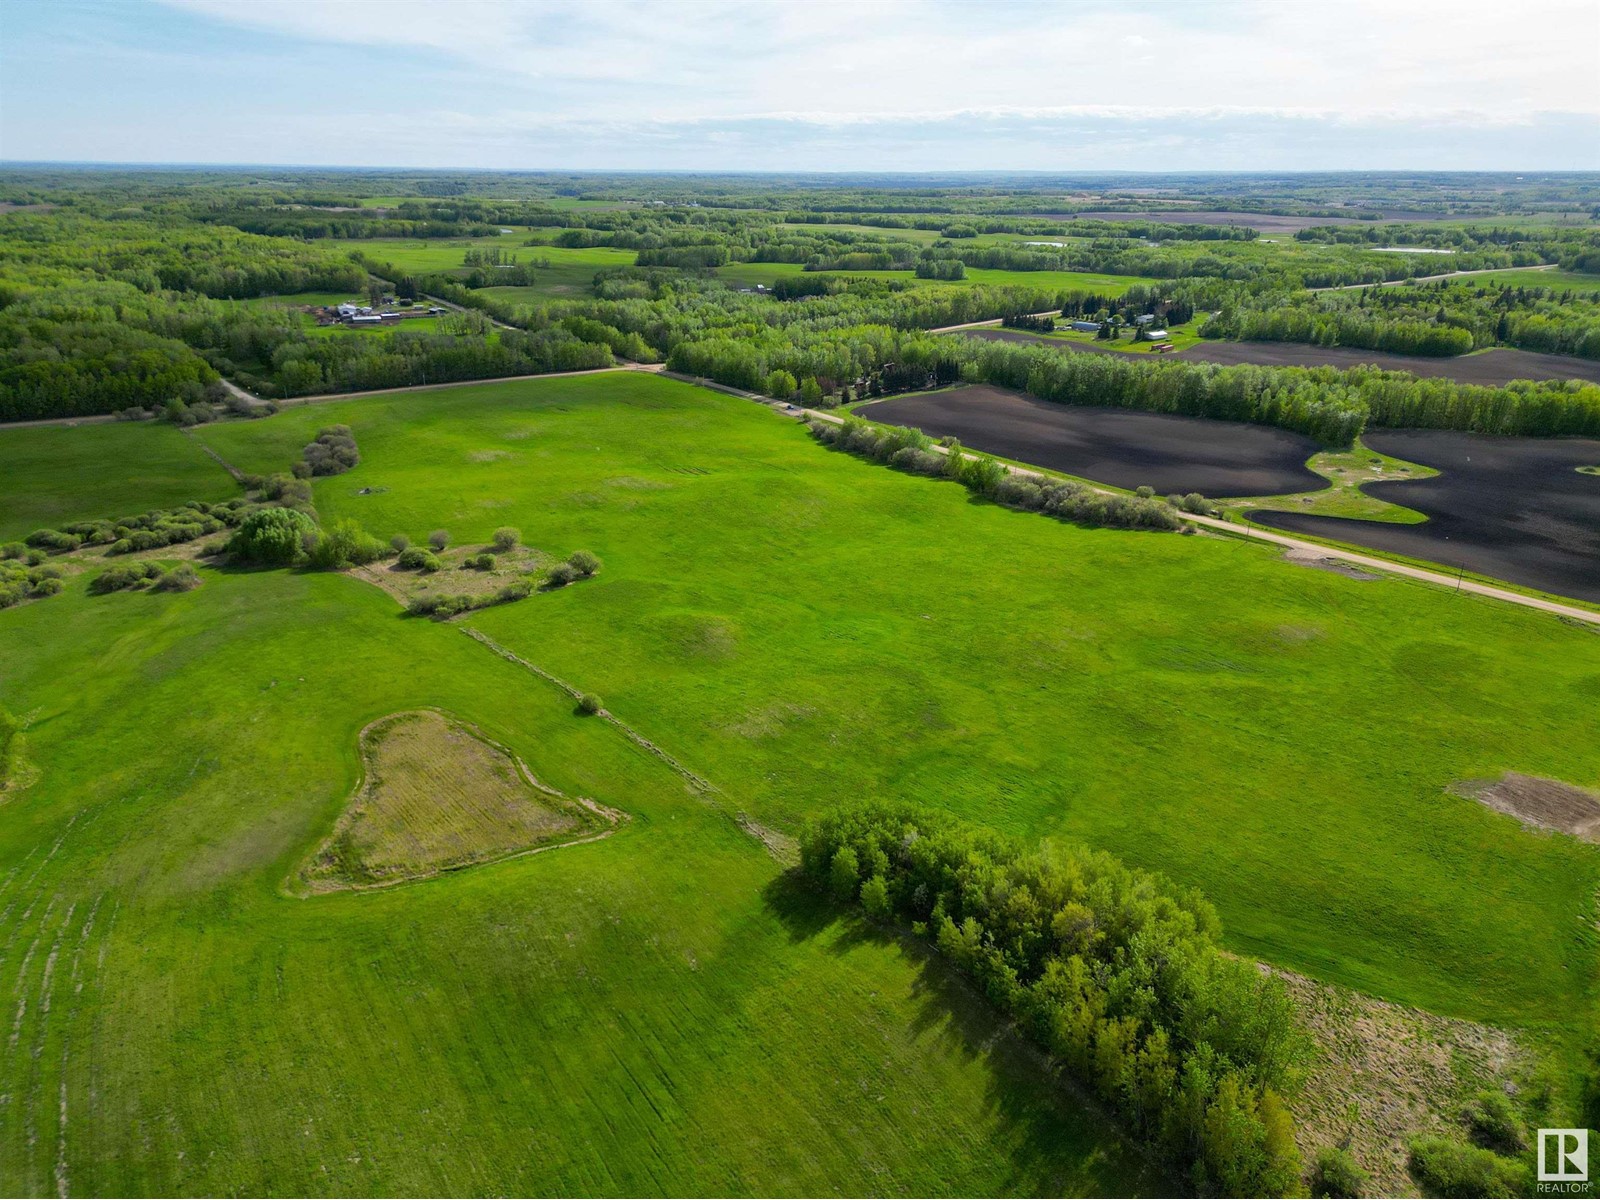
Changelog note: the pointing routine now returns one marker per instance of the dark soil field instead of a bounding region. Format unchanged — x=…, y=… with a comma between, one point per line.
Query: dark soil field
x=1492, y=367
x=1516, y=509
x=1113, y=445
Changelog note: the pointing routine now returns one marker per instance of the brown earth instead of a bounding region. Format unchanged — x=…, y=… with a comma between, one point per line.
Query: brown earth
x=1540, y=803
x=1382, y=1074
x=436, y=795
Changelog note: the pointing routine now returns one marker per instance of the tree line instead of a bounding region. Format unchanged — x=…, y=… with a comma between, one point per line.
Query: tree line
x=1118, y=974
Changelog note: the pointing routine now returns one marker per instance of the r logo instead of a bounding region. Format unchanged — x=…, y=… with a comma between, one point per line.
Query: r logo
x=1563, y=1156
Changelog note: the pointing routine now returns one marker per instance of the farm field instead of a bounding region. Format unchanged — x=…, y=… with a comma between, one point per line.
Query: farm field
x=50, y=476
x=645, y=1013
x=1115, y=446
x=1512, y=508
x=927, y=679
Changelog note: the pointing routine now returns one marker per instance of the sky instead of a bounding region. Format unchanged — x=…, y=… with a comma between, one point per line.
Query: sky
x=814, y=85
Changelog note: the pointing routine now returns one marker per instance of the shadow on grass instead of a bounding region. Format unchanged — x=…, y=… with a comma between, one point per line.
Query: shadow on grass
x=1055, y=1138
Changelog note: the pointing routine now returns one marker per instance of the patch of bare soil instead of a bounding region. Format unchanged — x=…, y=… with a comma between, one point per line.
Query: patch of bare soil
x=1383, y=1074
x=437, y=795
x=1539, y=803
x=1327, y=562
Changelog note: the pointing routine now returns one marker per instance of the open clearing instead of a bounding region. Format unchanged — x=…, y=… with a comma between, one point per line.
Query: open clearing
x=1109, y=445
x=1490, y=367
x=436, y=795
x=1517, y=509
x=663, y=1011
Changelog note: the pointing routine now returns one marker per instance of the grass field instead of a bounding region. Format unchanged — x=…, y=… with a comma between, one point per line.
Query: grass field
x=1346, y=471
x=658, y=1011
x=570, y=272
x=801, y=626
x=648, y=1013
x=54, y=475
x=770, y=273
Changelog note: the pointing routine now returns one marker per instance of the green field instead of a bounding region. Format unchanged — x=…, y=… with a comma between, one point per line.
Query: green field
x=768, y=273
x=53, y=475
x=570, y=273
x=659, y=1011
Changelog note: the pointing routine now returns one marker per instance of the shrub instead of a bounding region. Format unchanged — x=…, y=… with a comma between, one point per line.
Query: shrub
x=1144, y=491
x=418, y=559
x=48, y=585
x=439, y=539
x=1446, y=1168
x=116, y=579
x=1194, y=502
x=13, y=550
x=333, y=453
x=182, y=578
x=399, y=543
x=271, y=535
x=560, y=575
x=1336, y=1175
x=480, y=562
x=589, y=704
x=506, y=538
x=519, y=589
x=343, y=544
x=584, y=563
x=1494, y=1124
x=781, y=385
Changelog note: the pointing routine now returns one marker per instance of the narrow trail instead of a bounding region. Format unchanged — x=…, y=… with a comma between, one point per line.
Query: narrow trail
x=238, y=475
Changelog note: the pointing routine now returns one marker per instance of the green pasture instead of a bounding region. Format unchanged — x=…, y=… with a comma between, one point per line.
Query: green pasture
x=801, y=627
x=653, y=1013
x=54, y=475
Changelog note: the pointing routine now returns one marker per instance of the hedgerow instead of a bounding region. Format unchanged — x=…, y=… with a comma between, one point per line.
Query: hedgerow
x=912, y=450
x=1116, y=972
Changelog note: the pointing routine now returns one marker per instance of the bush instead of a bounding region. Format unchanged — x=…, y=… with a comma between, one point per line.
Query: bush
x=418, y=559
x=584, y=563
x=271, y=535
x=519, y=589
x=1337, y=1175
x=1494, y=1124
x=343, y=544
x=13, y=550
x=439, y=539
x=333, y=453
x=182, y=578
x=560, y=575
x=589, y=704
x=1445, y=1168
x=480, y=562
x=1144, y=491
x=781, y=385
x=121, y=578
x=399, y=543
x=506, y=538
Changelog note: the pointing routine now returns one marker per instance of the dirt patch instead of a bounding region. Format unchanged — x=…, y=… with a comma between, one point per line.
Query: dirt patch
x=1382, y=1074
x=1327, y=562
x=484, y=456
x=1540, y=803
x=1122, y=447
x=437, y=795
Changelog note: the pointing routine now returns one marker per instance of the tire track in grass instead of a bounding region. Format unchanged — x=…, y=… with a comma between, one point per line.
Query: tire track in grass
x=41, y=1021
x=75, y=980
x=19, y=990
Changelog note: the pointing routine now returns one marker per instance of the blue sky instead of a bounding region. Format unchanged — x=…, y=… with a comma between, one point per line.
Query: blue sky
x=917, y=85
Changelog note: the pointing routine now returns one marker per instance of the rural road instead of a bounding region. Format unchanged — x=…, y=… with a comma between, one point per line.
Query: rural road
x=1351, y=287
x=1317, y=549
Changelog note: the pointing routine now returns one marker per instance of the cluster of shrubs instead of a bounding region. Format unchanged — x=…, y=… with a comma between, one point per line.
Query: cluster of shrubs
x=280, y=488
x=148, y=531
x=579, y=565
x=181, y=578
x=333, y=453
x=271, y=536
x=1117, y=973
x=912, y=450
x=451, y=604
x=20, y=551
x=19, y=582
x=1488, y=1167
x=415, y=558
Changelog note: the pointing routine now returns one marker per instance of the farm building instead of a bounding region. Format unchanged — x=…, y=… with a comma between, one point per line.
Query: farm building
x=1085, y=326
x=1155, y=335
